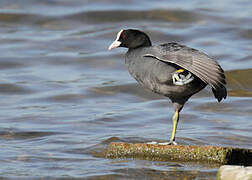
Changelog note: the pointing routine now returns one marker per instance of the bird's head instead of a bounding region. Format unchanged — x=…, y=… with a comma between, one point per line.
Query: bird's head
x=130, y=38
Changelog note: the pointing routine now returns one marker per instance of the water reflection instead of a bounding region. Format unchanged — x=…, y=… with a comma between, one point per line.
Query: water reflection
x=240, y=82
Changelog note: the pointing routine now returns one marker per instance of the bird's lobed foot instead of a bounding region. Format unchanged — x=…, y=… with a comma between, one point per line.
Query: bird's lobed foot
x=168, y=143
x=152, y=142
x=182, y=77
x=163, y=143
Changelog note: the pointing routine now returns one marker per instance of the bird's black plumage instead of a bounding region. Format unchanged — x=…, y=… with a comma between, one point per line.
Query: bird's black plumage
x=159, y=67
x=198, y=63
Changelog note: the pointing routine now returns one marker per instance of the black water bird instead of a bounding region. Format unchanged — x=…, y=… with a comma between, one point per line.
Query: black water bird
x=171, y=69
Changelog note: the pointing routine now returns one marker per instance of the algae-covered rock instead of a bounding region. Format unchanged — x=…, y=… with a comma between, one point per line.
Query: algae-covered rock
x=207, y=154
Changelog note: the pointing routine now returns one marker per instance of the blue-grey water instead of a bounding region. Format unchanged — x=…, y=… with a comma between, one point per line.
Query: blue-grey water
x=65, y=97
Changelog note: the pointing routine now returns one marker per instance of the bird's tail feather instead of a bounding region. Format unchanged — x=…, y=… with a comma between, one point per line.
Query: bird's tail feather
x=220, y=92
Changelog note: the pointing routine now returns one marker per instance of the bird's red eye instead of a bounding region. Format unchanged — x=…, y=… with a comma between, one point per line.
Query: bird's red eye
x=123, y=36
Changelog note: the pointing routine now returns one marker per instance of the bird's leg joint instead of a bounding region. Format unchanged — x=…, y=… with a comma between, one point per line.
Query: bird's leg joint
x=182, y=77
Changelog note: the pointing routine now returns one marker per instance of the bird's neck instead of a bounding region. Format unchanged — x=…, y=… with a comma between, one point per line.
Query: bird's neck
x=146, y=44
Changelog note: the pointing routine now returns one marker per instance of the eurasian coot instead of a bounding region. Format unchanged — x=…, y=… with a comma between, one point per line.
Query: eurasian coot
x=171, y=69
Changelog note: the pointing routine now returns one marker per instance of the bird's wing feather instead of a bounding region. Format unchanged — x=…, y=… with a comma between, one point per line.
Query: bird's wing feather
x=194, y=61
x=198, y=63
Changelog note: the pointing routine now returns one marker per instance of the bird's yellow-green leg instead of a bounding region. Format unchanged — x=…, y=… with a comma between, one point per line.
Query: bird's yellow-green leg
x=175, y=120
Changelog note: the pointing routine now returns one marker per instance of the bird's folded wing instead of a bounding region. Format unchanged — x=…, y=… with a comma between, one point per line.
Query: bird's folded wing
x=194, y=61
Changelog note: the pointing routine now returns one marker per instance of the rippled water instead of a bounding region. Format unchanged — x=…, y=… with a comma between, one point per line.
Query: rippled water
x=64, y=97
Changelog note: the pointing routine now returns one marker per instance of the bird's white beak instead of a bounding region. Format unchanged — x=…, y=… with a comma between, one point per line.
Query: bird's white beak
x=116, y=43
